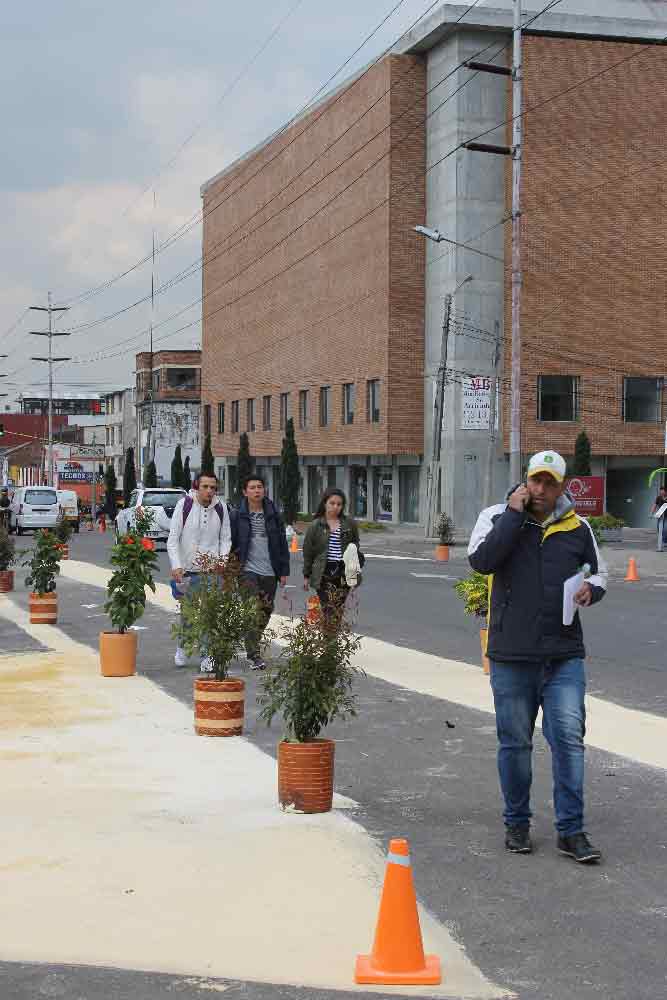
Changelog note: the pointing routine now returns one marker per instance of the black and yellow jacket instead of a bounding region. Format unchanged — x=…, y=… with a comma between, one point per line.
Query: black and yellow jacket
x=529, y=562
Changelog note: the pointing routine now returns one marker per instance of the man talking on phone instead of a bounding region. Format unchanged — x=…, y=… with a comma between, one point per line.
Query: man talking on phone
x=529, y=547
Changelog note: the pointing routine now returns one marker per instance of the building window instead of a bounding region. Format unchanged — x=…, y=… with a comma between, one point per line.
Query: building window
x=373, y=401
x=325, y=405
x=303, y=408
x=156, y=381
x=284, y=407
x=235, y=416
x=120, y=434
x=266, y=413
x=183, y=379
x=113, y=436
x=641, y=400
x=145, y=417
x=250, y=415
x=207, y=420
x=108, y=436
x=348, y=403
x=221, y=418
x=558, y=397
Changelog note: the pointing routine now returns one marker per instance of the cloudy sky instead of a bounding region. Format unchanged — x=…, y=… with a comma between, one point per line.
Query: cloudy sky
x=98, y=102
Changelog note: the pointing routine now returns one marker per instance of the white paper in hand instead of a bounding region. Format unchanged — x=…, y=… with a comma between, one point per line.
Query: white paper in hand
x=570, y=588
x=661, y=511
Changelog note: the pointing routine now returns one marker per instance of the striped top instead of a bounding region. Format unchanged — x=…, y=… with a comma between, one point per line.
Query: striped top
x=335, y=551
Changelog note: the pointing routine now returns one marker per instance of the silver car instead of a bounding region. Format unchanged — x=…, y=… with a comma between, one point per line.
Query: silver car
x=160, y=501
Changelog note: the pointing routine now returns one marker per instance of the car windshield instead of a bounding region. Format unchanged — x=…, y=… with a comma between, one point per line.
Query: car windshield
x=41, y=498
x=161, y=499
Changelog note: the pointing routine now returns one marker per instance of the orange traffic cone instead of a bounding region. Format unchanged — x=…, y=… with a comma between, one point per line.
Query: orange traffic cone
x=294, y=544
x=632, y=576
x=102, y=527
x=398, y=956
x=313, y=609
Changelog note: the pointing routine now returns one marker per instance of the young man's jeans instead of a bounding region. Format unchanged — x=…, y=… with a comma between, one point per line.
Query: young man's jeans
x=558, y=688
x=265, y=589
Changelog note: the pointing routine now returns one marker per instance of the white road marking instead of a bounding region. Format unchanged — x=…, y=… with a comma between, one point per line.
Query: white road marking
x=433, y=576
x=377, y=555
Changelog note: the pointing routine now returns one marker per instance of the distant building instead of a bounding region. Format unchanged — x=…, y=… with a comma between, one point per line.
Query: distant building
x=65, y=404
x=121, y=427
x=168, y=404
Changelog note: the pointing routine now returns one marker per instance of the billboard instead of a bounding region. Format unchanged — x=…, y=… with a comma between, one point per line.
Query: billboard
x=75, y=472
x=588, y=494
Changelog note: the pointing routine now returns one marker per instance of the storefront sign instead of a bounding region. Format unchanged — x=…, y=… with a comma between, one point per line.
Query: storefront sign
x=476, y=403
x=588, y=494
x=75, y=472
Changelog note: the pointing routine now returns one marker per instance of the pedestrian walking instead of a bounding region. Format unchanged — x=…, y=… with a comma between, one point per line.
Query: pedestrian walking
x=260, y=544
x=5, y=504
x=660, y=501
x=330, y=565
x=200, y=526
x=531, y=545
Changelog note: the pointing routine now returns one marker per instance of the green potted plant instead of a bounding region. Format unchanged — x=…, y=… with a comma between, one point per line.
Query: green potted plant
x=216, y=617
x=607, y=528
x=444, y=528
x=474, y=592
x=135, y=563
x=7, y=560
x=44, y=565
x=64, y=530
x=310, y=684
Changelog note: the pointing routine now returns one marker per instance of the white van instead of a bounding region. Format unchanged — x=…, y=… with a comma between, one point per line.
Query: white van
x=69, y=502
x=33, y=507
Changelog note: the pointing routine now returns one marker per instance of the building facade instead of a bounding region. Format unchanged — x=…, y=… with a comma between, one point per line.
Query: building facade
x=168, y=404
x=121, y=427
x=322, y=303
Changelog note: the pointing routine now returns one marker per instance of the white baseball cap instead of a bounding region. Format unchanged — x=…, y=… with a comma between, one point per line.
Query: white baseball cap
x=548, y=461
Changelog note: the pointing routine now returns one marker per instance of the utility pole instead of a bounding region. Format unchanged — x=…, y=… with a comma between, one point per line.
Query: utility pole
x=517, y=132
x=438, y=408
x=491, y=445
x=50, y=333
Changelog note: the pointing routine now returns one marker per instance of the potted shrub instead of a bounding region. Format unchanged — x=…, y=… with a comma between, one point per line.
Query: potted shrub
x=135, y=563
x=445, y=531
x=607, y=528
x=7, y=559
x=474, y=592
x=216, y=617
x=64, y=530
x=311, y=685
x=44, y=565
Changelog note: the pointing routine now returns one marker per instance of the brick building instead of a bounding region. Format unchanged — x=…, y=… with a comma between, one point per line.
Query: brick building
x=314, y=280
x=168, y=387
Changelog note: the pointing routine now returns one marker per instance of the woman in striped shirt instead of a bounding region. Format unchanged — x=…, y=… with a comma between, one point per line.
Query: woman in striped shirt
x=326, y=540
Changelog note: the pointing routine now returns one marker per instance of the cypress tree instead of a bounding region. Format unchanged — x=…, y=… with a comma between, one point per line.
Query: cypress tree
x=187, y=475
x=290, y=481
x=150, y=475
x=207, y=458
x=129, y=475
x=582, y=456
x=177, y=468
x=245, y=463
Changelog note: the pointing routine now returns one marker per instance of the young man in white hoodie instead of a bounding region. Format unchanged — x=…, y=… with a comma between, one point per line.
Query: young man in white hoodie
x=199, y=526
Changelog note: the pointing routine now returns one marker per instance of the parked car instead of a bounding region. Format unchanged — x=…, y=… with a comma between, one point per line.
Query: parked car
x=33, y=507
x=69, y=502
x=162, y=503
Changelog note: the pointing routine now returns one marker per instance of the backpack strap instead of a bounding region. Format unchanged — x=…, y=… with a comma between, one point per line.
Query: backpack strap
x=187, y=507
x=220, y=511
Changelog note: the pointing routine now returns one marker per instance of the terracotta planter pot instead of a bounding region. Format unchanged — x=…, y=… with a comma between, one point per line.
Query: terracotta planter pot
x=313, y=609
x=118, y=654
x=305, y=775
x=219, y=706
x=442, y=553
x=6, y=580
x=64, y=551
x=483, y=640
x=43, y=608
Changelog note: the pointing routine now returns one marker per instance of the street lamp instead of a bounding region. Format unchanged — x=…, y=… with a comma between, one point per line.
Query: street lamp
x=434, y=471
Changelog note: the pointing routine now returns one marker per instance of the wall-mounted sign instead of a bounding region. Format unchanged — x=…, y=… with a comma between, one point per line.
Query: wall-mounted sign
x=588, y=494
x=476, y=403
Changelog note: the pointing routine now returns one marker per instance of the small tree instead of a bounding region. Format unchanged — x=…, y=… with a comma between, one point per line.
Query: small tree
x=581, y=465
x=445, y=529
x=129, y=475
x=187, y=475
x=473, y=590
x=245, y=463
x=110, y=486
x=44, y=563
x=7, y=550
x=207, y=458
x=177, y=468
x=135, y=563
x=290, y=481
x=64, y=529
x=150, y=475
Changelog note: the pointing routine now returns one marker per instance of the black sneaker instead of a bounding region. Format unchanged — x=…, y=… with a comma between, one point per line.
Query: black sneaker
x=579, y=847
x=517, y=839
x=257, y=663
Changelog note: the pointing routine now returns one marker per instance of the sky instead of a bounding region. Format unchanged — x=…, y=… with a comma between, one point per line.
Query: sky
x=113, y=117
x=97, y=102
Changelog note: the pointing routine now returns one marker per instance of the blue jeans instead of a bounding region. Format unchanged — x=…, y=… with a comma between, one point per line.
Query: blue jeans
x=558, y=688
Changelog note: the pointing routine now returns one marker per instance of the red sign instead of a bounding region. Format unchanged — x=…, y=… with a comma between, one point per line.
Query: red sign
x=588, y=494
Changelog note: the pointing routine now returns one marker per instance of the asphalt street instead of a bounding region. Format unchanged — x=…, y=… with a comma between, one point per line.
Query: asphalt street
x=424, y=768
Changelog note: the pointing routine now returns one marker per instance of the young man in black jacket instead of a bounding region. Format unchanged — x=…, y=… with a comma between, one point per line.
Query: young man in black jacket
x=530, y=547
x=260, y=544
